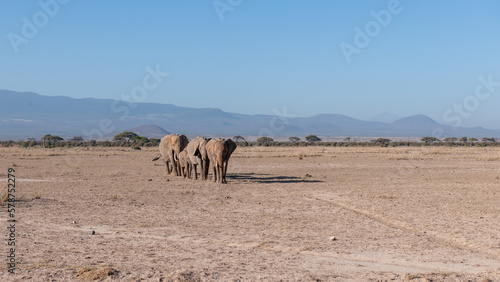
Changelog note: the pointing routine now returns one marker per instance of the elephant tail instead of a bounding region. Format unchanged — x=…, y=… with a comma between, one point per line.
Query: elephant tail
x=155, y=159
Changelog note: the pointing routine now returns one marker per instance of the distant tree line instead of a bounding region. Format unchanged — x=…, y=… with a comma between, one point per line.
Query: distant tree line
x=124, y=139
x=313, y=140
x=131, y=139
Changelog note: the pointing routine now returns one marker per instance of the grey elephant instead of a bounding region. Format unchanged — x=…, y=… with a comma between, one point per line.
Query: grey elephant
x=170, y=148
x=231, y=146
x=185, y=164
x=219, y=151
x=197, y=153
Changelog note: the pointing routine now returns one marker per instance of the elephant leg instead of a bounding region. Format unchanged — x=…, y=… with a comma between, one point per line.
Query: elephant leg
x=202, y=171
x=215, y=173
x=218, y=174
x=222, y=174
x=205, y=169
x=168, y=167
x=175, y=165
x=195, y=173
x=220, y=171
x=225, y=171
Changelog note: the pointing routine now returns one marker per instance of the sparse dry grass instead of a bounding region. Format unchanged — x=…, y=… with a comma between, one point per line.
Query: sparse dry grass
x=4, y=196
x=395, y=213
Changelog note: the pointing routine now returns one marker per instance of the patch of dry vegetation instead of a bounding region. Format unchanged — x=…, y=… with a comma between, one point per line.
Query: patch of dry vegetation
x=90, y=273
x=419, y=206
x=4, y=196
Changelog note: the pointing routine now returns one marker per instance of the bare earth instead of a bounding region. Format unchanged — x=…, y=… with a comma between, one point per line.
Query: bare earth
x=395, y=214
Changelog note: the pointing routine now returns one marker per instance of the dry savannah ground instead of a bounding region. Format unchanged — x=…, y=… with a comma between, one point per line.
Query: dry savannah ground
x=291, y=214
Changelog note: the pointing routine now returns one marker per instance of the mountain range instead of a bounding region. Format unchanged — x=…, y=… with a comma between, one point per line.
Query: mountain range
x=27, y=114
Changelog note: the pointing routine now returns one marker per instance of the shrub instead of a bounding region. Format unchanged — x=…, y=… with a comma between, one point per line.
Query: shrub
x=264, y=141
x=313, y=138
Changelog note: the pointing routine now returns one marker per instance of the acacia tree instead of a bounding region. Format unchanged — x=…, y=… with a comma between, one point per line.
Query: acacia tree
x=126, y=136
x=450, y=139
x=428, y=139
x=487, y=139
x=264, y=140
x=294, y=139
x=140, y=140
x=92, y=143
x=313, y=138
x=384, y=142
x=238, y=138
x=45, y=139
x=50, y=138
x=76, y=139
x=154, y=142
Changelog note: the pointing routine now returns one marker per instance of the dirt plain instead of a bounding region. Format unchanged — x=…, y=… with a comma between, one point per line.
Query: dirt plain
x=291, y=214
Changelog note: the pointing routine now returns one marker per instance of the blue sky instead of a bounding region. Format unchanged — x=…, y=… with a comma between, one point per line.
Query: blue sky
x=258, y=56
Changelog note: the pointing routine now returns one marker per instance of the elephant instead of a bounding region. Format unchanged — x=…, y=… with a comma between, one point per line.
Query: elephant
x=167, y=162
x=231, y=146
x=185, y=164
x=219, y=151
x=197, y=153
x=170, y=148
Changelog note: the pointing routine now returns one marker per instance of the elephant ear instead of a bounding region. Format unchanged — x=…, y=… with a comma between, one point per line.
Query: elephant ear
x=197, y=152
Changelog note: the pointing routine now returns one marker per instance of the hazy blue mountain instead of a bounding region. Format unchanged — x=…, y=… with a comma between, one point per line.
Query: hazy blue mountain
x=26, y=114
x=416, y=120
x=385, y=117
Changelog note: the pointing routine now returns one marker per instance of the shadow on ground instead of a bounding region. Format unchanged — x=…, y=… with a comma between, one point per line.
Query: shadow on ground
x=269, y=178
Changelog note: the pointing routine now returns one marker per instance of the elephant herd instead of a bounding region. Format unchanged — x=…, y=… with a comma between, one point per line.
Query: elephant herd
x=182, y=156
